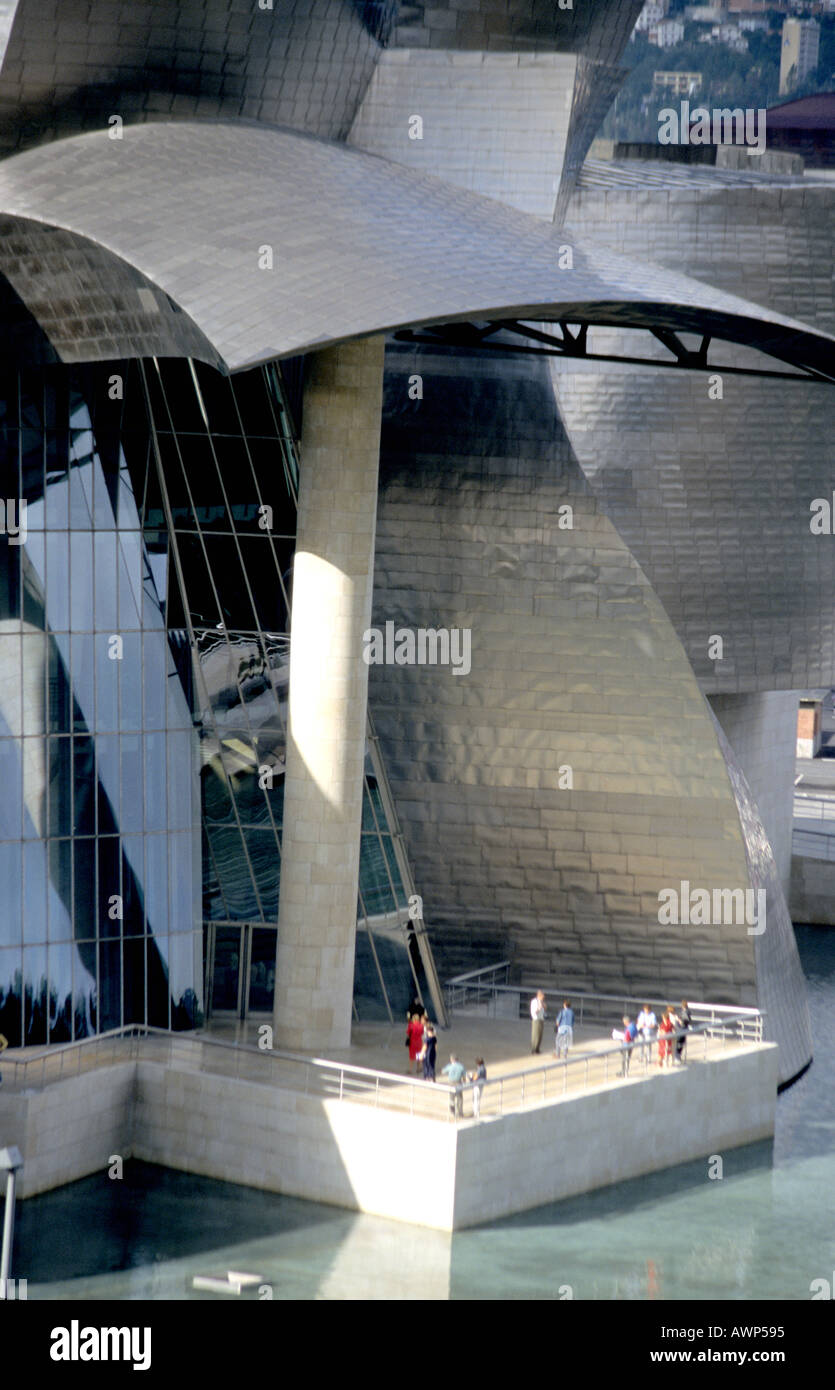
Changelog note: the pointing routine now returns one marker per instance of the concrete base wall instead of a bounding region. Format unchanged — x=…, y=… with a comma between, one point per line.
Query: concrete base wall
x=423, y=1171
x=812, y=897
x=71, y=1129
x=614, y=1133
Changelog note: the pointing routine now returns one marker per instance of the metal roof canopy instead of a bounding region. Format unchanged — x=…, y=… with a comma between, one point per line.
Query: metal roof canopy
x=172, y=223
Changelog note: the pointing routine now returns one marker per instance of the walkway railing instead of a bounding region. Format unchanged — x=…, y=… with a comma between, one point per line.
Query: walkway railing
x=481, y=992
x=504, y=1094
x=343, y=1081
x=476, y=986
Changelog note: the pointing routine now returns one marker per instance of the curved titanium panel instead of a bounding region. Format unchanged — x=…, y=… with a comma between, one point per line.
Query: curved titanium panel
x=69, y=68
x=574, y=666
x=780, y=981
x=276, y=243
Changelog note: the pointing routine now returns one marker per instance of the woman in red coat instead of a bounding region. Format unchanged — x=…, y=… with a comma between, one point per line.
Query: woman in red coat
x=414, y=1032
x=665, y=1044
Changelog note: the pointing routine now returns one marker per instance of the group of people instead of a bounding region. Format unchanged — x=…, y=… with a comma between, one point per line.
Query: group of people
x=422, y=1042
x=645, y=1030
x=563, y=1026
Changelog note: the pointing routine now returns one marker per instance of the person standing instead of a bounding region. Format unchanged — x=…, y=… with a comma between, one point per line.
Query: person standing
x=456, y=1074
x=665, y=1046
x=647, y=1024
x=478, y=1077
x=564, y=1028
x=630, y=1033
x=415, y=1037
x=685, y=1020
x=537, y=1020
x=429, y=1052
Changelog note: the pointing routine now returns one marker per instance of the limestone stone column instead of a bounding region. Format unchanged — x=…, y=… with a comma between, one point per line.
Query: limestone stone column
x=332, y=588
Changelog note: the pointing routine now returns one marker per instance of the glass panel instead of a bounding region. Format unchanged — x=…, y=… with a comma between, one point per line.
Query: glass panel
x=107, y=616
x=84, y=888
x=183, y=907
x=110, y=985
x=11, y=802
x=32, y=452
x=131, y=681
x=11, y=919
x=218, y=398
x=80, y=482
x=131, y=570
x=233, y=871
x=33, y=650
x=253, y=403
x=266, y=865
x=267, y=459
x=132, y=783
x=209, y=508
x=154, y=677
x=60, y=890
x=156, y=883
x=57, y=500
x=133, y=879
x=226, y=972
x=35, y=995
x=135, y=993
x=107, y=681
x=11, y=997
x=58, y=692
x=84, y=786
x=262, y=969
x=202, y=603
x=110, y=885
x=59, y=800
x=182, y=784
x=181, y=397
x=159, y=994
x=155, y=790
x=81, y=582
x=59, y=960
x=185, y=967
x=58, y=580
x=225, y=564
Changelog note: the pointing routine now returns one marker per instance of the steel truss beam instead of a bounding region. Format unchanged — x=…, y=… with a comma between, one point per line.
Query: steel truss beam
x=572, y=342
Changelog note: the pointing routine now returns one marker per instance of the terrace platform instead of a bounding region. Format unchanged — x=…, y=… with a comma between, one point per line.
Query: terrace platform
x=336, y=1130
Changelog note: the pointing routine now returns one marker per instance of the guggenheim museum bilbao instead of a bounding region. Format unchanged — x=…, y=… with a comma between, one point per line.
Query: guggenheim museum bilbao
x=407, y=559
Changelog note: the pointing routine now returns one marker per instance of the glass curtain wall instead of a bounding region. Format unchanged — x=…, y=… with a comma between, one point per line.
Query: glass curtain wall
x=98, y=852
x=144, y=664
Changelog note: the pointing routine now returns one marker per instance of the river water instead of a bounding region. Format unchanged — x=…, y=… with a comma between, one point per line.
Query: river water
x=765, y=1229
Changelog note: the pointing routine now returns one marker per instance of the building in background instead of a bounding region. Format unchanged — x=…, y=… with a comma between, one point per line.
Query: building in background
x=799, y=47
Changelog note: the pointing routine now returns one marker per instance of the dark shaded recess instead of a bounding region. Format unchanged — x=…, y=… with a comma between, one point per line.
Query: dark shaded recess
x=292, y=375
x=152, y=1214
x=472, y=410
x=23, y=342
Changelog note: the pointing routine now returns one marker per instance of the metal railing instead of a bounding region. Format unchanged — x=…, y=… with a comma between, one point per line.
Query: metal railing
x=808, y=806
x=504, y=1094
x=344, y=1081
x=476, y=986
x=813, y=844
x=484, y=991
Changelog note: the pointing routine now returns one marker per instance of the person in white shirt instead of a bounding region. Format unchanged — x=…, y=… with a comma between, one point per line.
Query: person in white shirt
x=647, y=1024
x=537, y=1020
